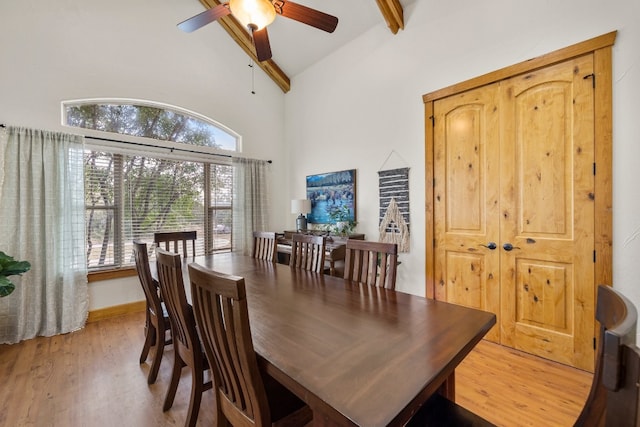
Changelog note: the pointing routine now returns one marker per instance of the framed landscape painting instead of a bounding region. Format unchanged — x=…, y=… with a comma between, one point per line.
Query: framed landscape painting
x=333, y=197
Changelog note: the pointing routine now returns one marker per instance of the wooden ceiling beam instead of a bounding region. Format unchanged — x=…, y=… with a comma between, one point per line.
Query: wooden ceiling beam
x=393, y=14
x=243, y=38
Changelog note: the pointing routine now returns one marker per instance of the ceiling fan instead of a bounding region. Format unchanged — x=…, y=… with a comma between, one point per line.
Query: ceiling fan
x=255, y=15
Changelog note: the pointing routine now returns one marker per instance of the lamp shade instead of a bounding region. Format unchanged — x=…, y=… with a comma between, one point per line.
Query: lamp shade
x=253, y=12
x=300, y=206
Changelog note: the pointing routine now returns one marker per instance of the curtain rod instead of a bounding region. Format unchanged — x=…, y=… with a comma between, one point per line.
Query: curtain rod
x=172, y=149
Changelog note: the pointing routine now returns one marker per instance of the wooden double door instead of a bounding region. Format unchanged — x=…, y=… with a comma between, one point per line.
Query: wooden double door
x=513, y=208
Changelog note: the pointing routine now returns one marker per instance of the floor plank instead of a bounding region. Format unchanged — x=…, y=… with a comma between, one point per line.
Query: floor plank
x=92, y=377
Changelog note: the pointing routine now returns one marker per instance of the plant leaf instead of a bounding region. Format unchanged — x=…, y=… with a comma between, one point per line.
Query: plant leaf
x=6, y=286
x=15, y=267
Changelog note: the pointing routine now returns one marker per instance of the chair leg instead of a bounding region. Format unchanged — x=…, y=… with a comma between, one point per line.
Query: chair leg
x=149, y=337
x=178, y=364
x=157, y=357
x=197, y=388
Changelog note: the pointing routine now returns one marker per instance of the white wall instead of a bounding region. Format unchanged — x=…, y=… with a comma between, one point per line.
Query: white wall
x=356, y=106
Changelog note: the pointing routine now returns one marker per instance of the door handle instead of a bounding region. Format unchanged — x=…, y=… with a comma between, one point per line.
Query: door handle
x=508, y=247
x=490, y=245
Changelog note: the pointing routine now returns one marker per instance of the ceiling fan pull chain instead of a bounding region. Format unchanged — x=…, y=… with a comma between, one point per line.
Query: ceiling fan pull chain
x=253, y=83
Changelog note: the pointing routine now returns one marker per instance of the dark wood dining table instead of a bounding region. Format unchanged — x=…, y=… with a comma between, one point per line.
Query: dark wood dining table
x=358, y=355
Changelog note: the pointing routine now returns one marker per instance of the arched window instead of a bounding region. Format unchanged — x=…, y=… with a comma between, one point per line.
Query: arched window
x=150, y=178
x=147, y=119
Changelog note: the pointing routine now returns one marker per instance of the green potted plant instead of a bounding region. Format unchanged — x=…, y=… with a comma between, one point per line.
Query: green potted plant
x=10, y=267
x=343, y=224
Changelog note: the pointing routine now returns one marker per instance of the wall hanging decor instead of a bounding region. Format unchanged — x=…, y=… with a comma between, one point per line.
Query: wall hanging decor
x=394, y=207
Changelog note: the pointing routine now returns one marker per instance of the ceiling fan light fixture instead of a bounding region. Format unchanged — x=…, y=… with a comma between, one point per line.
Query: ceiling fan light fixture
x=253, y=13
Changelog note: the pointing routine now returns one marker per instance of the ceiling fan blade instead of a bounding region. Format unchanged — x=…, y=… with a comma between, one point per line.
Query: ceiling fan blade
x=261, y=43
x=306, y=15
x=204, y=18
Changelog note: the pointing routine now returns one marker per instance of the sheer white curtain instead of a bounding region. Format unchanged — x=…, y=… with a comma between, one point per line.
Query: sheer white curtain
x=42, y=211
x=250, y=210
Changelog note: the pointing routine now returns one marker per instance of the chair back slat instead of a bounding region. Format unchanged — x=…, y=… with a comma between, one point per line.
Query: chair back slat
x=372, y=263
x=308, y=252
x=177, y=242
x=220, y=307
x=613, y=398
x=264, y=245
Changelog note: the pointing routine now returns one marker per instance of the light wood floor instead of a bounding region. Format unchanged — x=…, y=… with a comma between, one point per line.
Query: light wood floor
x=92, y=378
x=512, y=389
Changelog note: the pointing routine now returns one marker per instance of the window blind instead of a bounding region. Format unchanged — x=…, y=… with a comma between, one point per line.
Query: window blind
x=130, y=197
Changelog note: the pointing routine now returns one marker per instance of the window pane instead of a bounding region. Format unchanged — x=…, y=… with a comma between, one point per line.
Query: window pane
x=100, y=208
x=162, y=195
x=99, y=178
x=221, y=198
x=100, y=247
x=221, y=185
x=150, y=122
x=222, y=230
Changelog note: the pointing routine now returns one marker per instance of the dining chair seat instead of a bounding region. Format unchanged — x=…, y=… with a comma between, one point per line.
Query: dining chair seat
x=186, y=342
x=157, y=325
x=245, y=395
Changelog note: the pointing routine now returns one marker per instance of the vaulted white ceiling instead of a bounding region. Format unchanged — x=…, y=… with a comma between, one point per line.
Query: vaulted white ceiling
x=297, y=46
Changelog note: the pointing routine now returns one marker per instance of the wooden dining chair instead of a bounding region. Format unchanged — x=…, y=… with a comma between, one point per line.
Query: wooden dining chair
x=186, y=343
x=265, y=245
x=372, y=263
x=307, y=252
x=157, y=320
x=174, y=241
x=613, y=397
x=245, y=395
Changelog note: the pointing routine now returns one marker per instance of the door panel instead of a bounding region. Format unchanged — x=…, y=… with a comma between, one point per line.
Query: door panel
x=543, y=296
x=547, y=213
x=542, y=141
x=465, y=268
x=466, y=192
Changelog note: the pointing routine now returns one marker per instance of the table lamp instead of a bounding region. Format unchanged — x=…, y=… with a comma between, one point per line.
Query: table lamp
x=301, y=206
